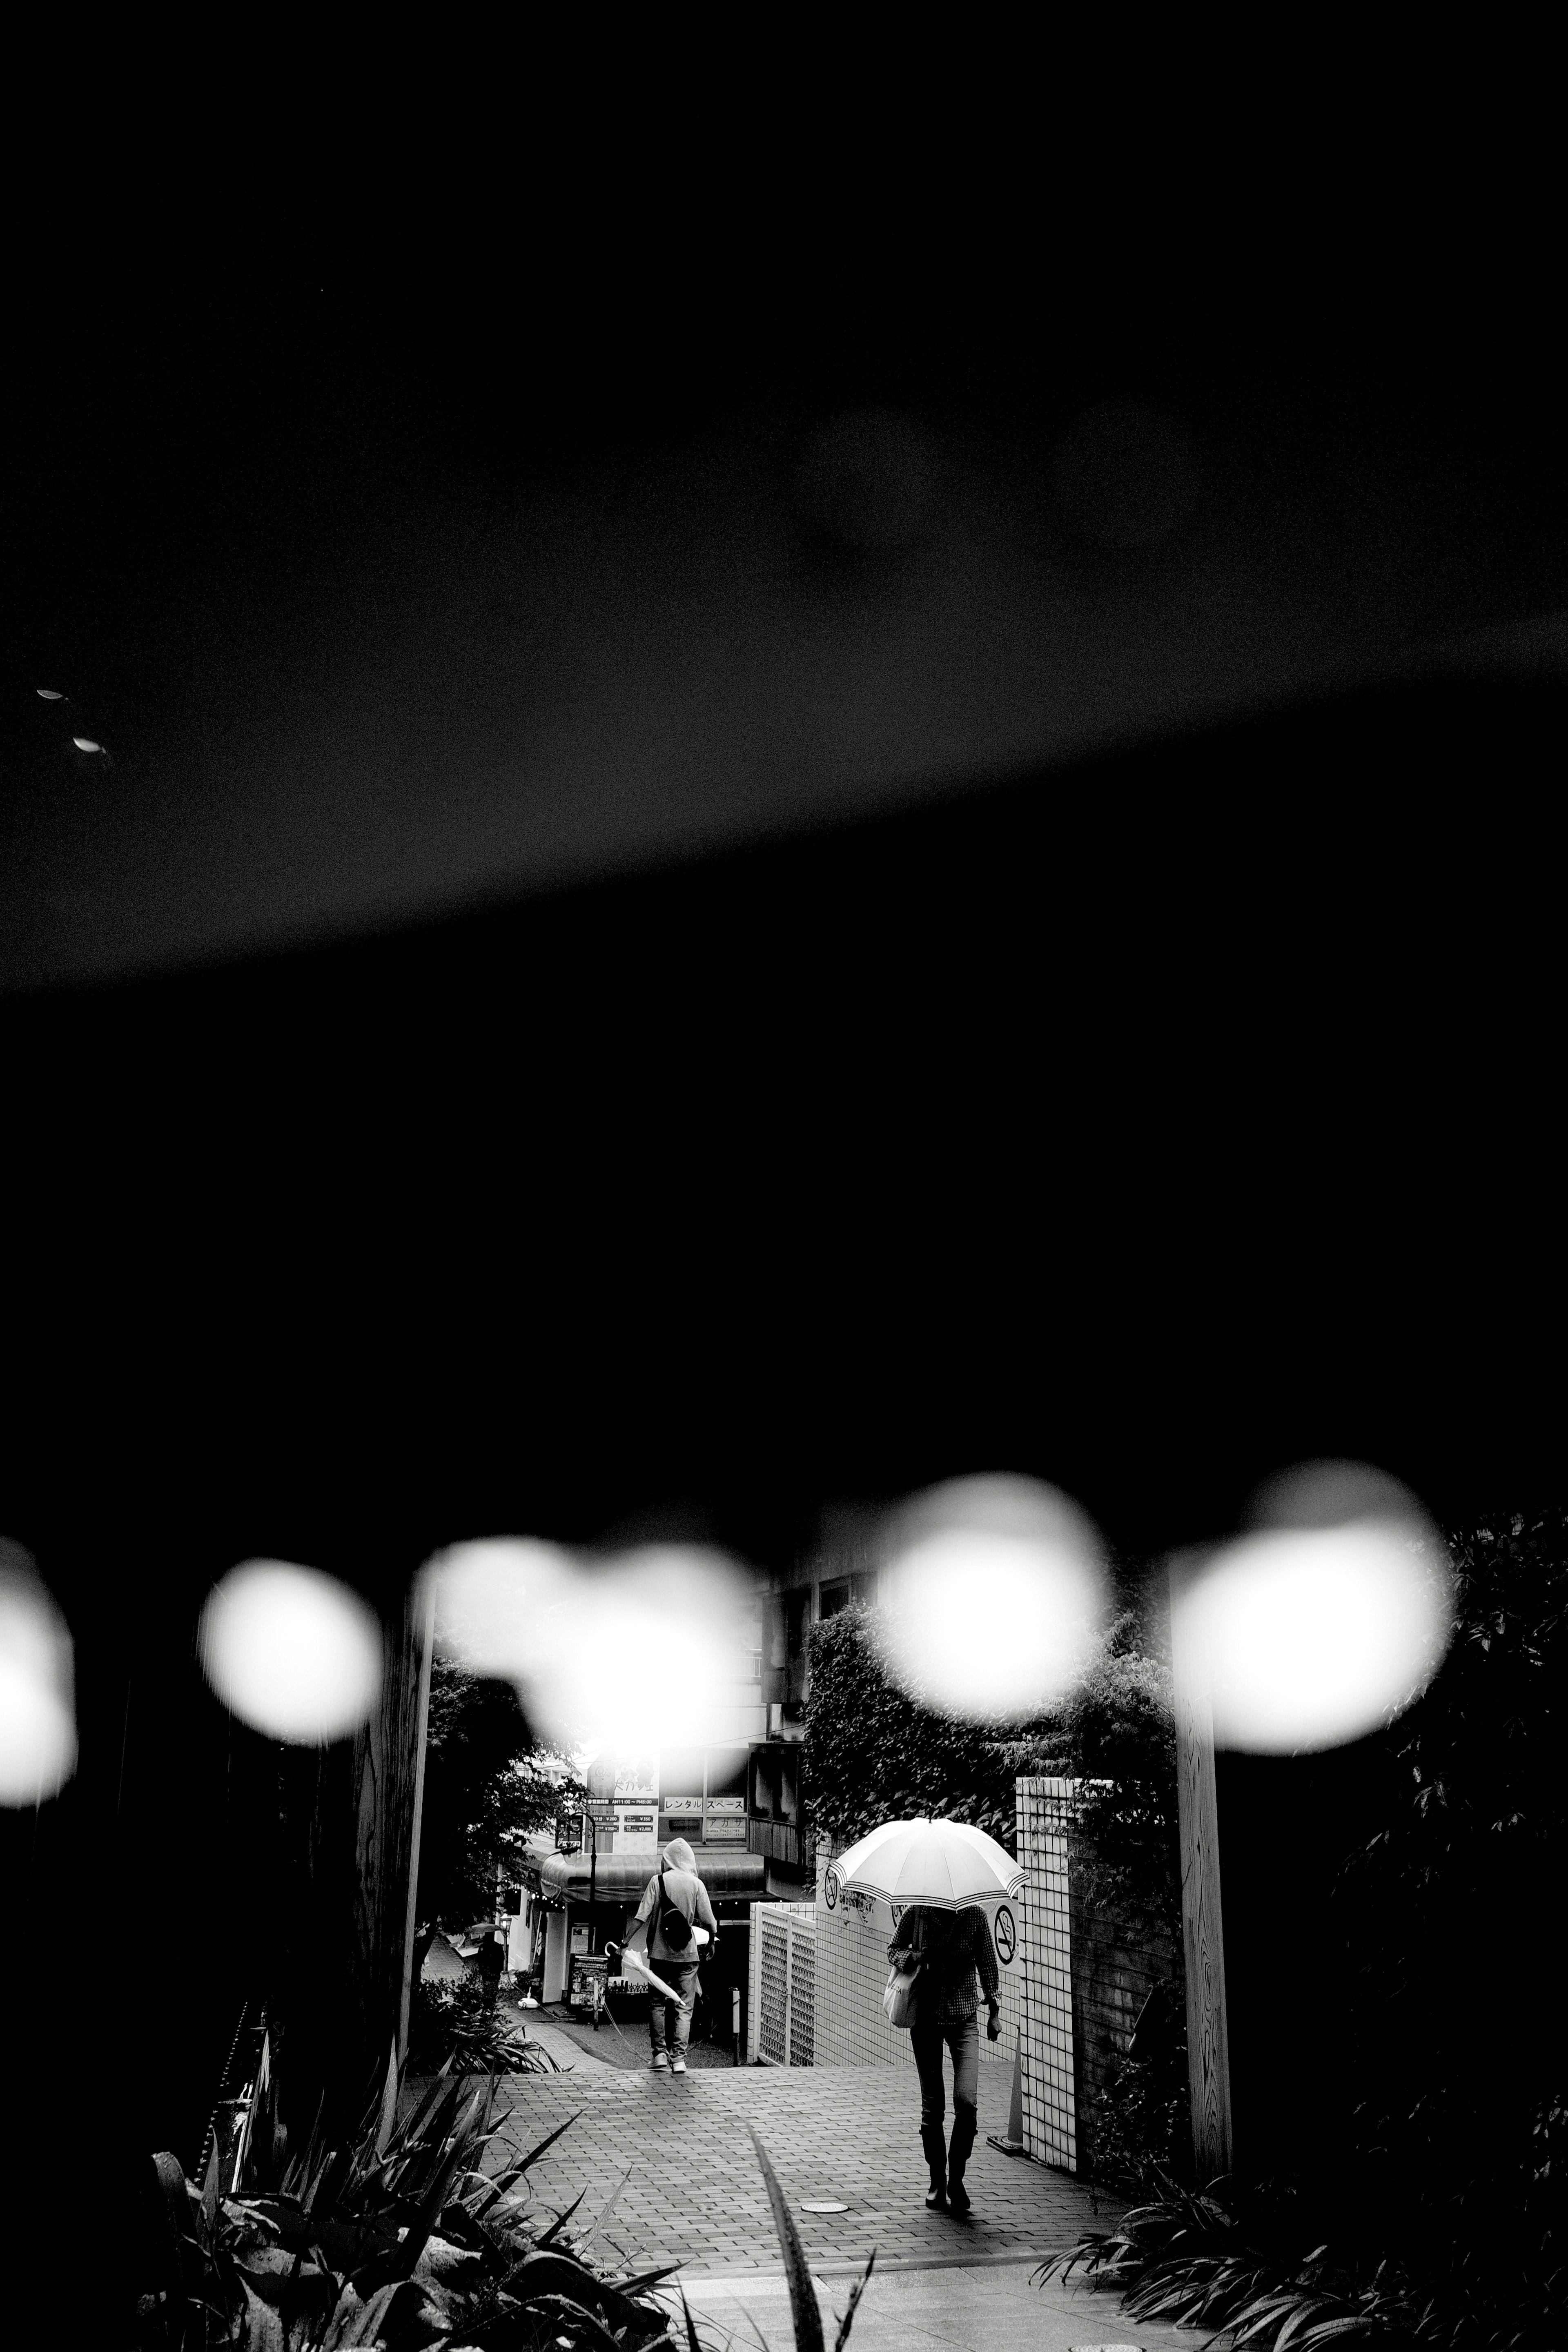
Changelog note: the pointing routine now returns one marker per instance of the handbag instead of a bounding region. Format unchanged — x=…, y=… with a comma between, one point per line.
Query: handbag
x=899, y=1994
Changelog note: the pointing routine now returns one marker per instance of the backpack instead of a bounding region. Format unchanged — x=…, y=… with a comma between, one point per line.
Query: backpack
x=670, y=1922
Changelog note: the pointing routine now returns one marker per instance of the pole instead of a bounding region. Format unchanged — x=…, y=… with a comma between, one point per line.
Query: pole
x=1203, y=1935
x=427, y=1641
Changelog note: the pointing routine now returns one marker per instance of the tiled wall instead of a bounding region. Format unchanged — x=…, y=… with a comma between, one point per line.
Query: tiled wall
x=1050, y=2107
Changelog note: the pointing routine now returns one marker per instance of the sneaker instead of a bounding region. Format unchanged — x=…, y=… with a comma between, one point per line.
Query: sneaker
x=660, y=2063
x=677, y=2066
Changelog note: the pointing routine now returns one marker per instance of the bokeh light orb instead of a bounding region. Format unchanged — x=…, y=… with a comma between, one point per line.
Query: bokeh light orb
x=494, y=1601
x=636, y=1653
x=1326, y=1619
x=291, y=1652
x=38, y=1712
x=994, y=1594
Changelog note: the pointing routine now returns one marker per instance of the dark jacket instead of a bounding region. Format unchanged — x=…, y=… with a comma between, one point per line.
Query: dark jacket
x=955, y=1946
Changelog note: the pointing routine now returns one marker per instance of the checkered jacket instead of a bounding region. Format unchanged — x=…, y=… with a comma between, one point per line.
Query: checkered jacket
x=952, y=1958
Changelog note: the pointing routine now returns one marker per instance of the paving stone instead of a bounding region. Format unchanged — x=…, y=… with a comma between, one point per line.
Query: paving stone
x=850, y=2133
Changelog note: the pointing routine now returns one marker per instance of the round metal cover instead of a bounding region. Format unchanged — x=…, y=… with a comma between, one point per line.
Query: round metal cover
x=823, y=2205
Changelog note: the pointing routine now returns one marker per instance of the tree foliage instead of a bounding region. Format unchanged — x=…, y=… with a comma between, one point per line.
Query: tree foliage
x=489, y=1783
x=873, y=1754
x=1453, y=2021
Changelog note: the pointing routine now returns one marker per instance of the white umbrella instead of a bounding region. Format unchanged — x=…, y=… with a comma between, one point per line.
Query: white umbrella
x=947, y=1864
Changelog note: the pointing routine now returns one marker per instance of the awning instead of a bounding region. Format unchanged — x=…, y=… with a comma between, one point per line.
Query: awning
x=621, y=1877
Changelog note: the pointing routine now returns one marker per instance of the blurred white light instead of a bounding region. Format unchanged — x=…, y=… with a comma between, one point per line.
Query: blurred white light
x=639, y=1653
x=47, y=694
x=491, y=1599
x=38, y=1715
x=994, y=1589
x=86, y=743
x=631, y=1653
x=291, y=1652
x=1326, y=1621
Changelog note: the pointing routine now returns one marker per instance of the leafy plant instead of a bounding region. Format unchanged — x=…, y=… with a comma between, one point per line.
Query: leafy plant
x=1188, y=2260
x=458, y=2023
x=398, y=2240
x=804, y=2313
x=1452, y=2144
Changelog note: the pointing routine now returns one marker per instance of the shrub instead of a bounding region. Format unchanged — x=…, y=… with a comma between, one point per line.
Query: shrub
x=457, y=2022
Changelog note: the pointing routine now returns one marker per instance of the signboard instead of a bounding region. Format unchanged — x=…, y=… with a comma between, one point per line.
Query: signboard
x=637, y=1831
x=726, y=1829
x=726, y=1805
x=586, y=1989
x=1004, y=1929
x=636, y=1778
x=680, y=1804
x=580, y=1937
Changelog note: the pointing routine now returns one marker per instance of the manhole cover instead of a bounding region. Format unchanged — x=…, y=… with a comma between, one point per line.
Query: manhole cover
x=823, y=2205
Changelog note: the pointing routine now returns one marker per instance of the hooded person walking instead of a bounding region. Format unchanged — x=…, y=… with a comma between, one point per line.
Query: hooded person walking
x=954, y=1948
x=674, y=1906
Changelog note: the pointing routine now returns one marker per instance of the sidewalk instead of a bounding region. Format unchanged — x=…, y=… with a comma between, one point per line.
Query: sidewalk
x=990, y=2307
x=622, y=2043
x=666, y=2170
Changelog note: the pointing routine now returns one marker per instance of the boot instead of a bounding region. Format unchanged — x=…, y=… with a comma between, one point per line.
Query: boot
x=935, y=2148
x=958, y=2200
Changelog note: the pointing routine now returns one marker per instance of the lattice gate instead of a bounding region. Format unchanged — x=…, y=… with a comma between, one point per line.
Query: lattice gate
x=784, y=1984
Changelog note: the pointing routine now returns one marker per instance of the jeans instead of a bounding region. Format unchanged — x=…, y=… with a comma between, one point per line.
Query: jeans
x=962, y=2036
x=674, y=2016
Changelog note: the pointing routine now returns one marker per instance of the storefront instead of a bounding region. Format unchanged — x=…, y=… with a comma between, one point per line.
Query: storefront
x=588, y=1901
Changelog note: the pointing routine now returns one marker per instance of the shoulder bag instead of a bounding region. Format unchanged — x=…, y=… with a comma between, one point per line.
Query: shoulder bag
x=899, y=1996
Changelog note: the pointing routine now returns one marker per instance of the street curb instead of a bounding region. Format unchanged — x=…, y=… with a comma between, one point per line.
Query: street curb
x=835, y=2270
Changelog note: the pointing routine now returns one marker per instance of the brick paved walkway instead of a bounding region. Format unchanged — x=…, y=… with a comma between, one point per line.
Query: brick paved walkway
x=696, y=2197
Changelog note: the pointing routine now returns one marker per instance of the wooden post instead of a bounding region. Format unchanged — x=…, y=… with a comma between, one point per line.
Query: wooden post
x=1203, y=1936
x=386, y=1755
x=426, y=1643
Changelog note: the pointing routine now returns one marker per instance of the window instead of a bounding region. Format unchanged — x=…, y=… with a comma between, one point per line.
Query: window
x=727, y=1772
x=833, y=1598
x=795, y=1622
x=764, y=1783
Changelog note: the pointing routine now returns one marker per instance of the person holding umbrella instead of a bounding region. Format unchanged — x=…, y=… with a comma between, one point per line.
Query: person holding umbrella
x=938, y=1875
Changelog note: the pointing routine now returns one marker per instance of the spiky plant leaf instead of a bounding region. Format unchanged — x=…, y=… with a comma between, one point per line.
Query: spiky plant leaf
x=801, y=2294
x=856, y=2291
x=388, y=2104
